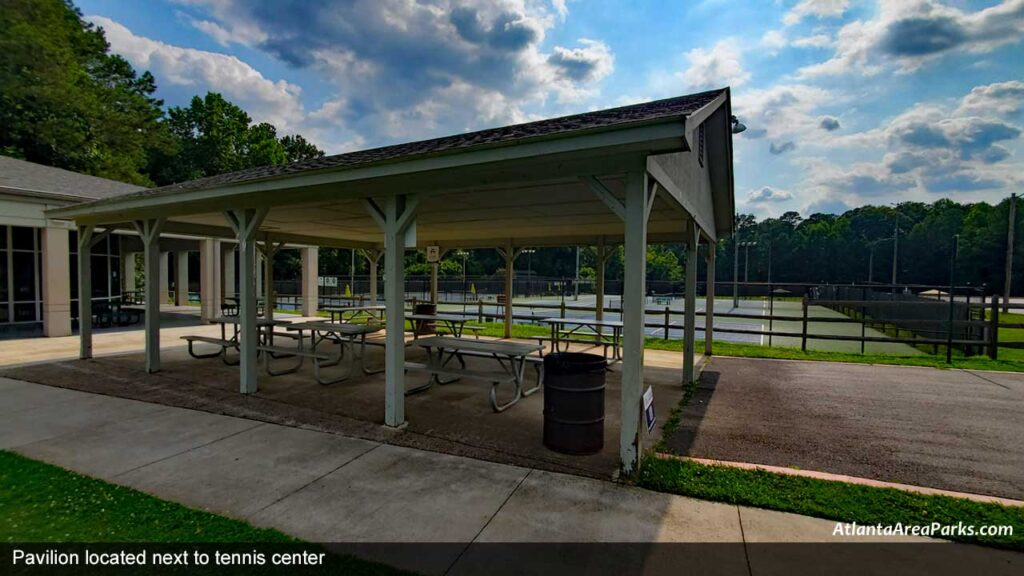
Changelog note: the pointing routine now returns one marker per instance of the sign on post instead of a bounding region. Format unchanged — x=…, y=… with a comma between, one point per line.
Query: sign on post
x=433, y=254
x=649, y=416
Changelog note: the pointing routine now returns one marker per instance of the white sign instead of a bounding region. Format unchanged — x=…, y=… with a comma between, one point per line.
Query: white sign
x=329, y=281
x=433, y=254
x=649, y=416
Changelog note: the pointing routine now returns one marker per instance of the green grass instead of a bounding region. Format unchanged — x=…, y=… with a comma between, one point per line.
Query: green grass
x=832, y=500
x=44, y=503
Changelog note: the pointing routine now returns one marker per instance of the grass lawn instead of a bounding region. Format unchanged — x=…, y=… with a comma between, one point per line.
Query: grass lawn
x=44, y=503
x=865, y=505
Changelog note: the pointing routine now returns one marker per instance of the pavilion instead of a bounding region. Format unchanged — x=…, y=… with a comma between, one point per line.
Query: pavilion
x=655, y=172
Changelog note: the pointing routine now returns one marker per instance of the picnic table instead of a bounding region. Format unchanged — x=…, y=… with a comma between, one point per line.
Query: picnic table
x=454, y=324
x=565, y=331
x=345, y=335
x=264, y=331
x=373, y=313
x=511, y=357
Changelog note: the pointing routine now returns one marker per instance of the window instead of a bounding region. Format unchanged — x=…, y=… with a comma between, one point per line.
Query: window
x=20, y=291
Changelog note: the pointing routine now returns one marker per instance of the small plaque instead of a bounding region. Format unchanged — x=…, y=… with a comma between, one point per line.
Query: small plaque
x=433, y=254
x=649, y=416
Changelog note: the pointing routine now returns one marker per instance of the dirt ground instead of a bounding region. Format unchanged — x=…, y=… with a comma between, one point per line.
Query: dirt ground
x=950, y=429
x=454, y=418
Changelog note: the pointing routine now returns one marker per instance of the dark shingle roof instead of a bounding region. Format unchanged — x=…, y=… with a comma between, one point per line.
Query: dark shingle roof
x=638, y=113
x=20, y=176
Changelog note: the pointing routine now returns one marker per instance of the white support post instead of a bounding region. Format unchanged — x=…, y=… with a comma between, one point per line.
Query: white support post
x=709, y=301
x=633, y=300
x=690, y=301
x=209, y=278
x=268, y=250
x=372, y=259
x=259, y=275
x=397, y=215
x=56, y=283
x=229, y=272
x=165, y=273
x=128, y=263
x=433, y=282
x=155, y=264
x=310, y=275
x=85, y=234
x=509, y=254
x=181, y=284
x=246, y=222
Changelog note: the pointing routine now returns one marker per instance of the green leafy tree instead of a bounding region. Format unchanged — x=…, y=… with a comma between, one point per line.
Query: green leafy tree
x=298, y=148
x=65, y=101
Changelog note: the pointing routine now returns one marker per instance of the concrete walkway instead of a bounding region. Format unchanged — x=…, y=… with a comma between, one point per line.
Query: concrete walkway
x=329, y=488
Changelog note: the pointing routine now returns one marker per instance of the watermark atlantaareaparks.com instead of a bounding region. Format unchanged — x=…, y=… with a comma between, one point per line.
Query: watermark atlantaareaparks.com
x=936, y=529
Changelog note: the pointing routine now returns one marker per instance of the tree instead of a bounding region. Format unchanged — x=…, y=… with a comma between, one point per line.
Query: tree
x=298, y=148
x=67, y=102
x=214, y=136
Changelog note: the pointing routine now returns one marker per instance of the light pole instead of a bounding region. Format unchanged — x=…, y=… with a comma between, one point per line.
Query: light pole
x=576, y=283
x=529, y=271
x=746, y=269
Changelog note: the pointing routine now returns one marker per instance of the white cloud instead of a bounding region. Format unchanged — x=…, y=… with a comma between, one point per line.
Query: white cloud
x=814, y=41
x=265, y=100
x=816, y=8
x=715, y=68
x=908, y=34
x=768, y=194
x=773, y=40
x=931, y=148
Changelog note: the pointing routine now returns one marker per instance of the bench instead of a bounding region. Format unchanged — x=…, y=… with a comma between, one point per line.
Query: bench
x=543, y=340
x=220, y=342
x=277, y=352
x=474, y=329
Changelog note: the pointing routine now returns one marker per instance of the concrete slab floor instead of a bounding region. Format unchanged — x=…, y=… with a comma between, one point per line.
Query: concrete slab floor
x=211, y=477
x=404, y=495
x=56, y=419
x=124, y=445
x=18, y=396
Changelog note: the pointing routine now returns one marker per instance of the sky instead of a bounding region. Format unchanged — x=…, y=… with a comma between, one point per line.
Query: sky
x=846, y=102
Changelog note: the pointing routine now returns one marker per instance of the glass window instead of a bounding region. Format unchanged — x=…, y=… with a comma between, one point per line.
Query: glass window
x=4, y=296
x=3, y=313
x=24, y=276
x=74, y=277
x=25, y=312
x=115, y=245
x=3, y=237
x=73, y=241
x=101, y=246
x=100, y=276
x=115, y=275
x=23, y=238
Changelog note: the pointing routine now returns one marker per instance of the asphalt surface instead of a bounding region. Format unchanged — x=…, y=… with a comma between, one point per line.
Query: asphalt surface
x=950, y=429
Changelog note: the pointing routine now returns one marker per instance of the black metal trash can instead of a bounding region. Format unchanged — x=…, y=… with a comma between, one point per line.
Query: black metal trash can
x=574, y=402
x=425, y=326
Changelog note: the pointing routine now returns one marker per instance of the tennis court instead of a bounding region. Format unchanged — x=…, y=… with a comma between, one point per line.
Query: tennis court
x=790, y=308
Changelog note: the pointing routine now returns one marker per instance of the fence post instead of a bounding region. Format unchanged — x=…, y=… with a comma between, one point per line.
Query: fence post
x=993, y=329
x=480, y=310
x=562, y=306
x=803, y=333
x=667, y=313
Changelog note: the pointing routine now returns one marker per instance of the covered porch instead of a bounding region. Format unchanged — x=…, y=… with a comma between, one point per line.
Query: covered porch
x=648, y=173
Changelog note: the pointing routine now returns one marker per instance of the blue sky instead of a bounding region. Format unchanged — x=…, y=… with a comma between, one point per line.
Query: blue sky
x=847, y=102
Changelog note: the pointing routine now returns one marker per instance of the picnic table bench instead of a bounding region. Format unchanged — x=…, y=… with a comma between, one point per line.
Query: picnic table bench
x=565, y=331
x=373, y=313
x=346, y=335
x=263, y=328
x=512, y=358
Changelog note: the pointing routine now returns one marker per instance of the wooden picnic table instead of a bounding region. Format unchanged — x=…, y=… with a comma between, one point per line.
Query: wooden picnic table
x=346, y=335
x=511, y=357
x=565, y=331
x=454, y=324
x=374, y=313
